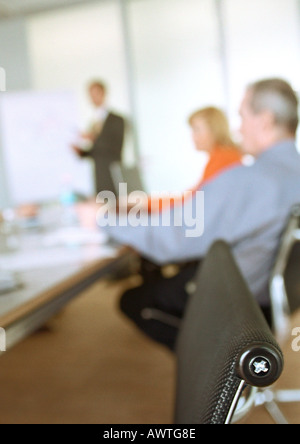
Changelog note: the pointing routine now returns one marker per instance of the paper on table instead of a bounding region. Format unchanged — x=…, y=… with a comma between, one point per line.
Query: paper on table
x=74, y=236
x=8, y=282
x=47, y=258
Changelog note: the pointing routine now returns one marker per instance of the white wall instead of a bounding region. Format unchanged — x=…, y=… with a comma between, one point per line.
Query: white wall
x=70, y=47
x=13, y=54
x=14, y=60
x=177, y=69
x=263, y=40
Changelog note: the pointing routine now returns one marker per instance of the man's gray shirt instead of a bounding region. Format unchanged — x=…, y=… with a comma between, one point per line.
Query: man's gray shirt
x=247, y=206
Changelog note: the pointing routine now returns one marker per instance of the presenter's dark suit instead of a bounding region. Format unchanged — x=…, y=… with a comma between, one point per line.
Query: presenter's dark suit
x=107, y=149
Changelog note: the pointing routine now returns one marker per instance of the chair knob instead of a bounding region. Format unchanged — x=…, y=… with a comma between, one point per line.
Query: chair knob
x=260, y=365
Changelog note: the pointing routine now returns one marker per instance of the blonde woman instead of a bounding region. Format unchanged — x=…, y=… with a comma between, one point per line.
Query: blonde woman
x=211, y=134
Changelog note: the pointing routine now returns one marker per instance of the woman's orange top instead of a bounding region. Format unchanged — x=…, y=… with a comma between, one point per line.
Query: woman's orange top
x=221, y=159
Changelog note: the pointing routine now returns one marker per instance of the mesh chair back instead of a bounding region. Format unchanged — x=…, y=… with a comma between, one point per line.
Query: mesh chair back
x=224, y=336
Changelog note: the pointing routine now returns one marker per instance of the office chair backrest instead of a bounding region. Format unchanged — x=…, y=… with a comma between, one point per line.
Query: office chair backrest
x=285, y=278
x=129, y=175
x=224, y=343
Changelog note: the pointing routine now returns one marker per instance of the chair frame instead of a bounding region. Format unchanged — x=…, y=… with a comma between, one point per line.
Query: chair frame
x=281, y=311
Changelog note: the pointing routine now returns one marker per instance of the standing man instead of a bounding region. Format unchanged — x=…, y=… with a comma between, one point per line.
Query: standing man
x=104, y=139
x=247, y=206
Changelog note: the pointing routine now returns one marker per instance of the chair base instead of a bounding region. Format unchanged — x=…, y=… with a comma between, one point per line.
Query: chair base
x=270, y=400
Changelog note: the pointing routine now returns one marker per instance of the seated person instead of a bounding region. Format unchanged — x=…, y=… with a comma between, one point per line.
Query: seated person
x=247, y=207
x=211, y=134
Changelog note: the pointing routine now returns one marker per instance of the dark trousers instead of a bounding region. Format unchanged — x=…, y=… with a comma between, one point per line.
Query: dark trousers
x=168, y=296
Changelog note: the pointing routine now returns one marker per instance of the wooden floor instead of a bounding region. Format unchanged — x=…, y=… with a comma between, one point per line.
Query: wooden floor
x=92, y=367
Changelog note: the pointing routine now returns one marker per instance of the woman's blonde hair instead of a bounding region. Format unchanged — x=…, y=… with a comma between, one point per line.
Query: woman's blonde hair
x=217, y=123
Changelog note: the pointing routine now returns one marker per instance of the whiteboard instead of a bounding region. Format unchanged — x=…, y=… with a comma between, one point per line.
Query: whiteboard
x=37, y=129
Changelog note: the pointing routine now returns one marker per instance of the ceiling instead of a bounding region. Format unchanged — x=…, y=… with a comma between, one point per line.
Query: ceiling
x=14, y=8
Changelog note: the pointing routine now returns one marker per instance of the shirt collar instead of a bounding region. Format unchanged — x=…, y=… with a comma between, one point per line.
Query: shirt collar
x=279, y=149
x=101, y=113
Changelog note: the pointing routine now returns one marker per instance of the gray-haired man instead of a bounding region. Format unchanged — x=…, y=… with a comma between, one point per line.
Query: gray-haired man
x=246, y=206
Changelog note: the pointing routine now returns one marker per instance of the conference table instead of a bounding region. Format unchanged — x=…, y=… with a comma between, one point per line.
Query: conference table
x=52, y=267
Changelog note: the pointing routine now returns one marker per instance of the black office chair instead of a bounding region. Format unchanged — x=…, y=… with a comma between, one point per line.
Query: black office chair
x=129, y=175
x=224, y=344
